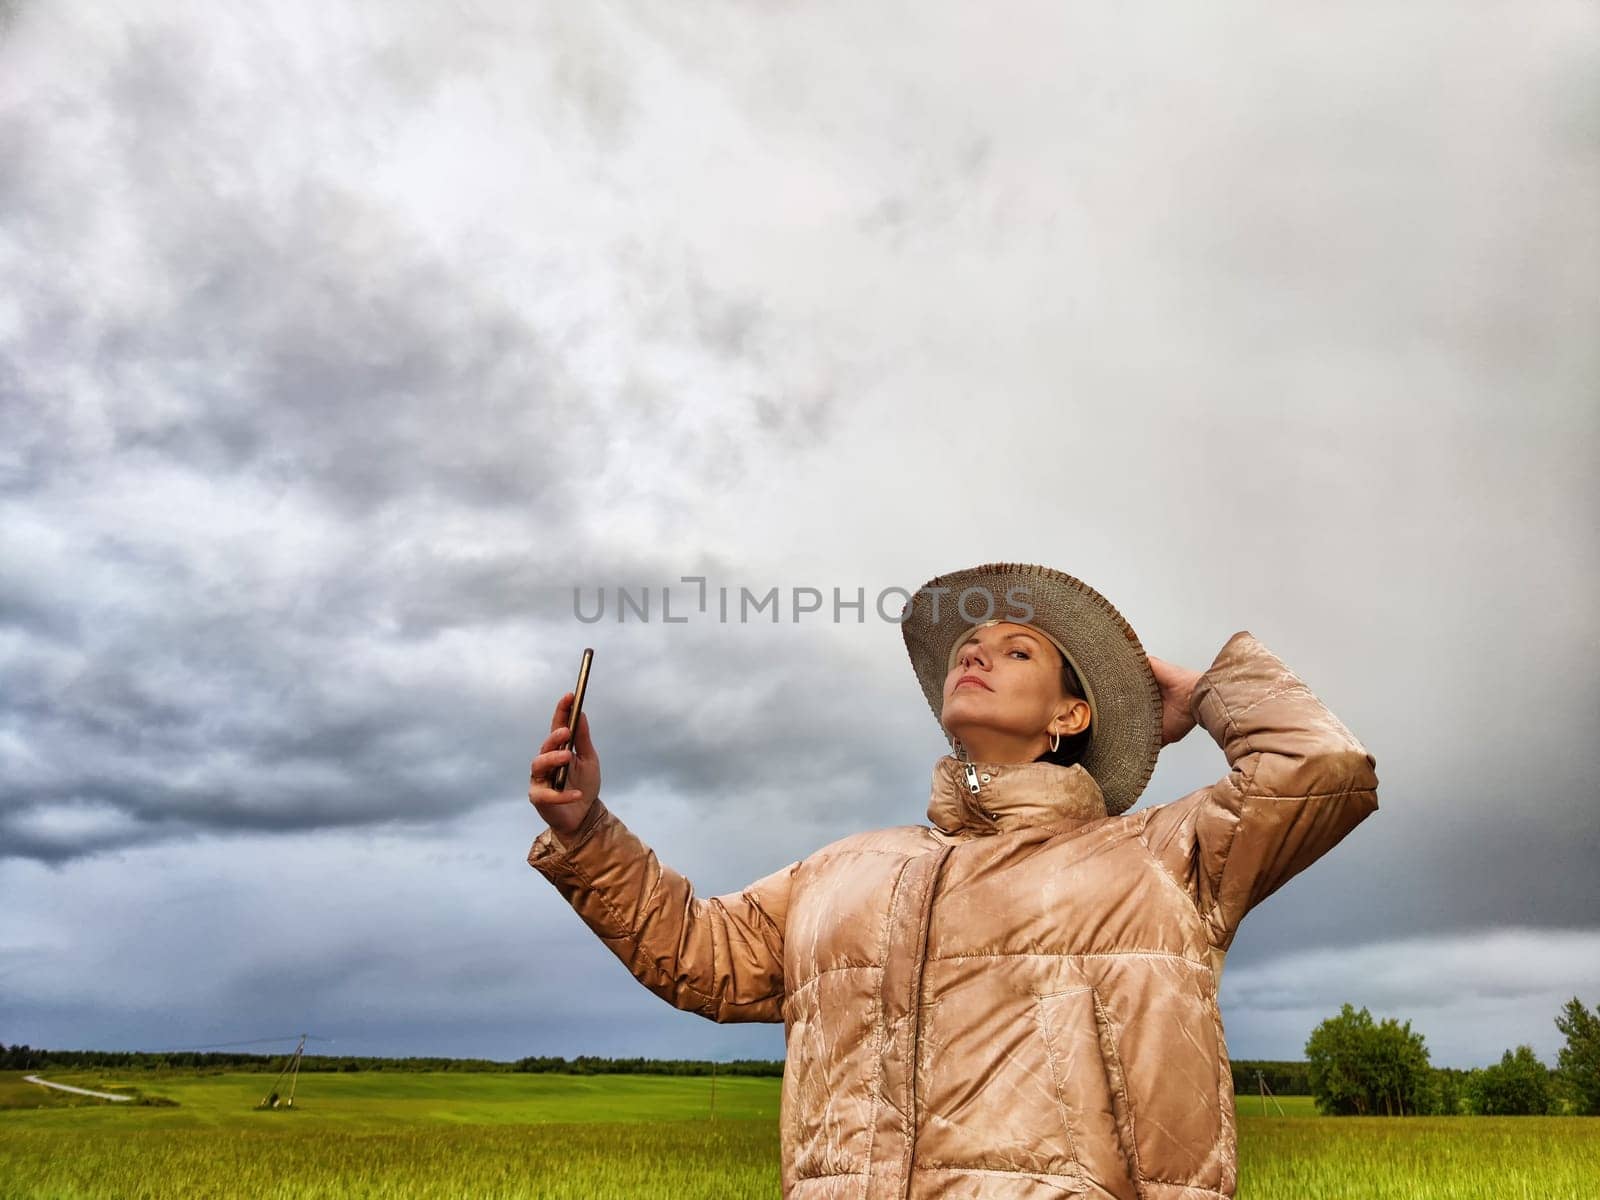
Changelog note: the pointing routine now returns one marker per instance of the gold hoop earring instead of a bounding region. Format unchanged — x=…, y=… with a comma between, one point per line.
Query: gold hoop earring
x=1055, y=742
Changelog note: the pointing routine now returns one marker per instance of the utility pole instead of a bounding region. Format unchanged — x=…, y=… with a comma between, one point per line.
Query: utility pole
x=1261, y=1080
x=290, y=1068
x=294, y=1078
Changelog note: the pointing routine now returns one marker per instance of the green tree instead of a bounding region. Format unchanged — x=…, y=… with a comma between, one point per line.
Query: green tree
x=1448, y=1091
x=1398, y=1070
x=1359, y=1067
x=1333, y=1054
x=1517, y=1086
x=1578, y=1062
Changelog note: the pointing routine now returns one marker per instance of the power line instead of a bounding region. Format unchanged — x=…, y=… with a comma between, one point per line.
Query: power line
x=293, y=1037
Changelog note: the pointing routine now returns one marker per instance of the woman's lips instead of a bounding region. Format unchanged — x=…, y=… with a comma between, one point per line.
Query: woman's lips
x=965, y=679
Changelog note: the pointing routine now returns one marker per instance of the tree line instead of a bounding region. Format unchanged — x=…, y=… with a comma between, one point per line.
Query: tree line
x=1358, y=1067
x=26, y=1058
x=1283, y=1078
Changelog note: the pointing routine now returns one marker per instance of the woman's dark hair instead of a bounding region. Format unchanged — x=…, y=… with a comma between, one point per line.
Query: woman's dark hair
x=1072, y=745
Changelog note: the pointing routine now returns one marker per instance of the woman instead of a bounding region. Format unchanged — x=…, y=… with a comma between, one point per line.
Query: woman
x=1020, y=998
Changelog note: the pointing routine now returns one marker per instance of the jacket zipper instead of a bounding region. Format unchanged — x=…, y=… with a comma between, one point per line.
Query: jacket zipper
x=972, y=787
x=916, y=1007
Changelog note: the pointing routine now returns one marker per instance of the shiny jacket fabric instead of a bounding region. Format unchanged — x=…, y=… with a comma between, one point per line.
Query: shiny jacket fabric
x=1019, y=1000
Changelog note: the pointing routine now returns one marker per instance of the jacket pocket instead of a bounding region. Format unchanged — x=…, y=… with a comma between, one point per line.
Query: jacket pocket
x=1091, y=1089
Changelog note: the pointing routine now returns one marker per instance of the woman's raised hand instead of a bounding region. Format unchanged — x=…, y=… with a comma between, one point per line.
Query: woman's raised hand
x=1177, y=689
x=564, y=811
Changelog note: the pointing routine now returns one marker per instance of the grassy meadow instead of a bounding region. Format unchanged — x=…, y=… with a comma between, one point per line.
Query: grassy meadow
x=505, y=1136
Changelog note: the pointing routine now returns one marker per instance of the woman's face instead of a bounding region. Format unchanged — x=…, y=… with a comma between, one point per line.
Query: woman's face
x=1005, y=694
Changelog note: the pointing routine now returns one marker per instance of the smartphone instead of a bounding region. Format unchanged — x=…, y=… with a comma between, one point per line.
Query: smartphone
x=558, y=780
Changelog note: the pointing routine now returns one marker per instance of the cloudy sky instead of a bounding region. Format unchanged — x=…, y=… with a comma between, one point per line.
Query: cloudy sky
x=341, y=342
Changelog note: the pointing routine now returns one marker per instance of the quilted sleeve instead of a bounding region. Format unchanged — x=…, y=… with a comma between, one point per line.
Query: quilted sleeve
x=1298, y=782
x=721, y=957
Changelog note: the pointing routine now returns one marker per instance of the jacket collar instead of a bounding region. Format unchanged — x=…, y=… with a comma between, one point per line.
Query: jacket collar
x=1011, y=796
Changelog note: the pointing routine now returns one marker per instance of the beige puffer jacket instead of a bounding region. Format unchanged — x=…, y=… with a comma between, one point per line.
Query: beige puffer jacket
x=1020, y=1001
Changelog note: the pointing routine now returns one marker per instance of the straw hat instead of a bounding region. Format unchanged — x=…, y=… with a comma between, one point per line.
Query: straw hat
x=1125, y=731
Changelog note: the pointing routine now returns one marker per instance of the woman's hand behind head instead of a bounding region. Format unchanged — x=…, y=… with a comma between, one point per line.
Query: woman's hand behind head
x=564, y=811
x=1177, y=692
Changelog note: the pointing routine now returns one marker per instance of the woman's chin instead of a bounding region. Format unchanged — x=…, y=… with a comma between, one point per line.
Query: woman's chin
x=969, y=705
x=970, y=731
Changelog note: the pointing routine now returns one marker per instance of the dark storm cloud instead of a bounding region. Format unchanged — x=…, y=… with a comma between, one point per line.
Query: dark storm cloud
x=233, y=727
x=273, y=338
x=274, y=347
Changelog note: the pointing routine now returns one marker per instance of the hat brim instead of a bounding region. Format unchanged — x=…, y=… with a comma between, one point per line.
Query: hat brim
x=1124, y=697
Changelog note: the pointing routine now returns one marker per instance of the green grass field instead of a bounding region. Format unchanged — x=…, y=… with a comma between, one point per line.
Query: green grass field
x=516, y=1136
